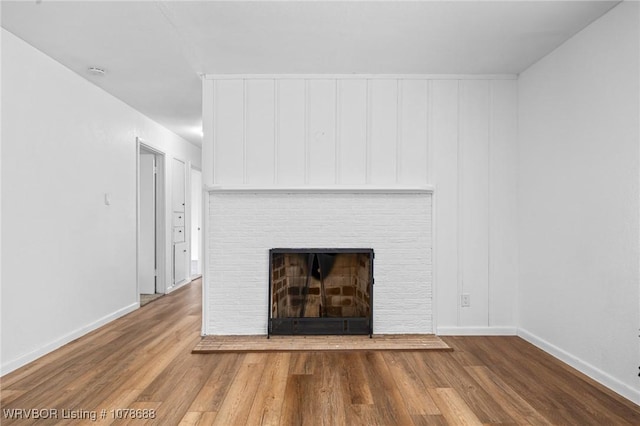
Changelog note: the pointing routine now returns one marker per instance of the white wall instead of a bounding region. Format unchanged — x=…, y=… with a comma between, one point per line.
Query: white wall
x=69, y=260
x=578, y=201
x=455, y=132
x=1, y=184
x=473, y=131
x=318, y=131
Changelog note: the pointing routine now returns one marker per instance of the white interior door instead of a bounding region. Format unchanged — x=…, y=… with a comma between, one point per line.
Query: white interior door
x=180, y=262
x=147, y=243
x=196, y=221
x=178, y=185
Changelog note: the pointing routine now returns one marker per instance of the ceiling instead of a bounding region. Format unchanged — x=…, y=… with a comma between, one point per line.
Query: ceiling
x=154, y=52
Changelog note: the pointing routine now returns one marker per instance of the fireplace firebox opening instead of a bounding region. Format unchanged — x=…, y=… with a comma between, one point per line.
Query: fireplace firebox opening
x=320, y=291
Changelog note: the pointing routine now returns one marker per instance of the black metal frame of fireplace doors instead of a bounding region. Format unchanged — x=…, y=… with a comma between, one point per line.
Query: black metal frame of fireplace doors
x=321, y=325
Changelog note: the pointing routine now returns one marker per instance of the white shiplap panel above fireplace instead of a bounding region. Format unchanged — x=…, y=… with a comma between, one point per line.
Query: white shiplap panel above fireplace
x=317, y=131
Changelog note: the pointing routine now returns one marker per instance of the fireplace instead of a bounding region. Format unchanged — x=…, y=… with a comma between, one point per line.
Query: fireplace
x=320, y=291
x=243, y=225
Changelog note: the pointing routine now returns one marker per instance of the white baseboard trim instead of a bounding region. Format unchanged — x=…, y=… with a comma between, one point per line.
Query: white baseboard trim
x=10, y=366
x=593, y=372
x=476, y=331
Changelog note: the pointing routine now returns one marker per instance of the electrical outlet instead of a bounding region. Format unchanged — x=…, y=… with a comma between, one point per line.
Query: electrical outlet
x=465, y=300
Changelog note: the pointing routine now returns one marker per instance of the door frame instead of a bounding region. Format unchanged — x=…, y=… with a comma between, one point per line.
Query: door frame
x=161, y=255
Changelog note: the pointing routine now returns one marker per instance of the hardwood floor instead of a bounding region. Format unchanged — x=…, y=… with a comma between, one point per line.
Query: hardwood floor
x=143, y=362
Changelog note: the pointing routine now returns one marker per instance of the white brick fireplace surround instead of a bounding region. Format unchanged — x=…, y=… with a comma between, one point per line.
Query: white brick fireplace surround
x=244, y=224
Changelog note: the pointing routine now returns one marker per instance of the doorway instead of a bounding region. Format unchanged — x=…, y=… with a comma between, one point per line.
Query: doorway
x=196, y=223
x=151, y=241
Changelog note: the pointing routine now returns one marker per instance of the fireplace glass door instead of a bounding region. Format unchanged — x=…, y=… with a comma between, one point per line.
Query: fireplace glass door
x=320, y=291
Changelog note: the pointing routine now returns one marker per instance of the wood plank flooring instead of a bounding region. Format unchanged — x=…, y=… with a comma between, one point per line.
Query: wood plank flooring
x=144, y=362
x=379, y=342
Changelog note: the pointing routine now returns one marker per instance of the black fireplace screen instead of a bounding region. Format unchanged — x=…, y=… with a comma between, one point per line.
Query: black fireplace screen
x=320, y=291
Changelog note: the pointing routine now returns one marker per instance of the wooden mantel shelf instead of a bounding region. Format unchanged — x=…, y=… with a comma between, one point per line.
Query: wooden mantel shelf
x=329, y=189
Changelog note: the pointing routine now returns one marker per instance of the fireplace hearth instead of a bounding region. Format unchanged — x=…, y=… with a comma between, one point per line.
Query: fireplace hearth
x=320, y=291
